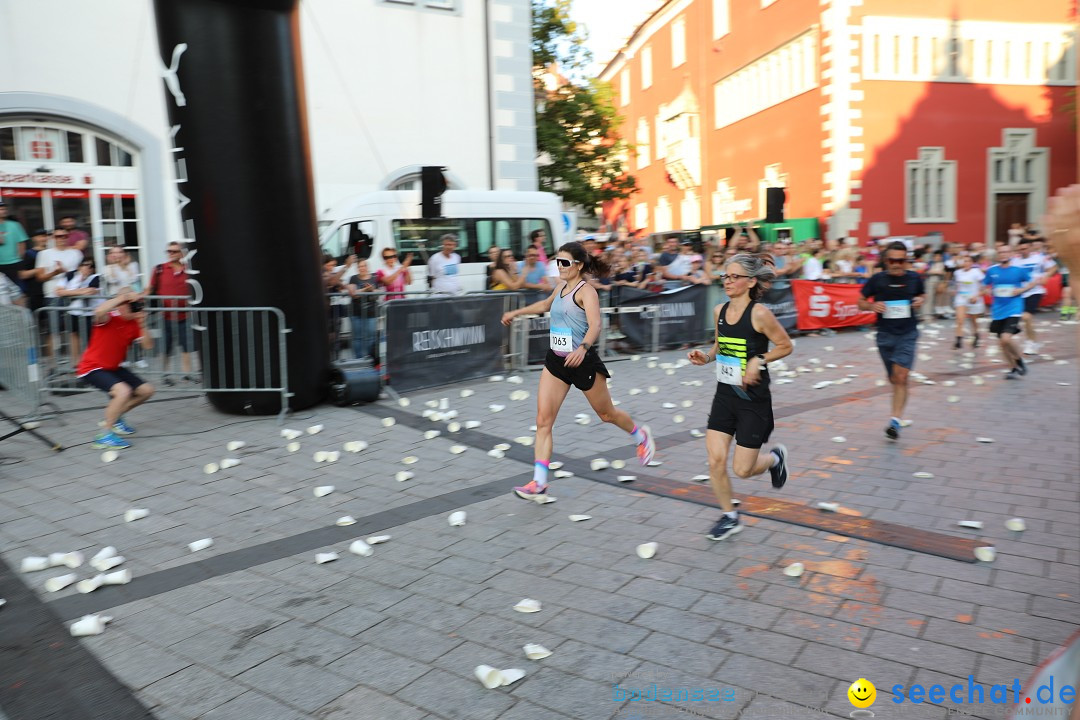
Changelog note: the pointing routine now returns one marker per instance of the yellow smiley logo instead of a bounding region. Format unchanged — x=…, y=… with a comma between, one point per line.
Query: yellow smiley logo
x=862, y=693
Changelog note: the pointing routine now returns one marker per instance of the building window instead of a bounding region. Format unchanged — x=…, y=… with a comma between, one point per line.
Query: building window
x=641, y=216
x=786, y=72
x=678, y=42
x=774, y=177
x=662, y=215
x=721, y=18
x=646, y=67
x=991, y=53
x=641, y=139
x=624, y=88
x=661, y=138
x=690, y=211
x=930, y=187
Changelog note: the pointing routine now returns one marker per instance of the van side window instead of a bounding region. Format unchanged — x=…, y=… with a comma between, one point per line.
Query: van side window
x=422, y=238
x=361, y=239
x=495, y=232
x=527, y=227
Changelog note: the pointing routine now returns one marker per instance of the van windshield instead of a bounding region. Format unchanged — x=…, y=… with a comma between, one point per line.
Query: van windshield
x=423, y=238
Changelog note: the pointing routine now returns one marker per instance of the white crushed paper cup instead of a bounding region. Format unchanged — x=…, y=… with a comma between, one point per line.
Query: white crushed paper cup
x=828, y=506
x=321, y=558
x=455, y=426
x=34, y=564
x=626, y=478
x=700, y=478
x=59, y=582
x=333, y=456
x=210, y=468
x=679, y=419
x=563, y=474
x=525, y=440
x=69, y=559
x=457, y=518
x=403, y=475
x=580, y=518
x=647, y=550
x=599, y=464
x=359, y=547
x=467, y=393
x=668, y=405
x=496, y=453
x=528, y=605
x=200, y=544
x=432, y=434
x=1016, y=524
x=320, y=456
x=469, y=425
x=515, y=379
x=839, y=439
x=135, y=514
x=618, y=464
x=794, y=569
x=502, y=446
x=293, y=447
x=985, y=554
x=89, y=625
x=653, y=389
x=432, y=404
x=634, y=391
x=533, y=651
x=109, y=455
x=972, y=524
x=554, y=465
x=314, y=429
x=388, y=422
x=923, y=475
x=496, y=378
x=323, y=490
x=449, y=414
x=287, y=433
x=488, y=676
x=519, y=395
x=229, y=463
x=377, y=539
x=496, y=407
x=410, y=460
x=984, y=439
x=120, y=577
x=697, y=433
x=584, y=420
x=345, y=520
x=458, y=449
x=235, y=445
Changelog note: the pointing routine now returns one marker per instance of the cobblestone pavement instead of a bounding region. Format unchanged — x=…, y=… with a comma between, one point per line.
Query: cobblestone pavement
x=253, y=628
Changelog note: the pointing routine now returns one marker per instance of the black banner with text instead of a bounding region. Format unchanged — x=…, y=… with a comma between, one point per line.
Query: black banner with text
x=435, y=342
x=681, y=315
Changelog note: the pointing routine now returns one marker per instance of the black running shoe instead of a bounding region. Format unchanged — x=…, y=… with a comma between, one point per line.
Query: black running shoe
x=892, y=430
x=779, y=470
x=1013, y=374
x=959, y=340
x=725, y=527
x=1021, y=366
x=975, y=342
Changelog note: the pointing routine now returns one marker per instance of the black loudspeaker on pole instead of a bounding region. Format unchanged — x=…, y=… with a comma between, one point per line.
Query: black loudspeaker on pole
x=774, y=204
x=432, y=187
x=235, y=97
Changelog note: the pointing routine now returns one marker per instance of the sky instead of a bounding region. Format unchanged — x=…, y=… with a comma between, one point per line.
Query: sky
x=609, y=29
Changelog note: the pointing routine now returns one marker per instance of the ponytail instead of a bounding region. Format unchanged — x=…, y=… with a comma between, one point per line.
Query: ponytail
x=590, y=264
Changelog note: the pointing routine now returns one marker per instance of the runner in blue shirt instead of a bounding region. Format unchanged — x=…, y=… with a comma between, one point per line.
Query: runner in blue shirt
x=1008, y=283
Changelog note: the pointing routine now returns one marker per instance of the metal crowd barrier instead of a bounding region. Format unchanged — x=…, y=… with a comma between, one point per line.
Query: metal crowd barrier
x=19, y=376
x=201, y=349
x=532, y=331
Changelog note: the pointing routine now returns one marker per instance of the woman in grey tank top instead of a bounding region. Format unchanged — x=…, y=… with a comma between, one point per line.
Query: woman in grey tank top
x=575, y=325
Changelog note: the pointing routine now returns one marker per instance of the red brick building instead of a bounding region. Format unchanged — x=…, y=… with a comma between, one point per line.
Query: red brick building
x=880, y=117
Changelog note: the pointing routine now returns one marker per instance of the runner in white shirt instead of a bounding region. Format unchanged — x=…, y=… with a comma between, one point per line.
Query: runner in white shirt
x=444, y=268
x=1042, y=267
x=968, y=300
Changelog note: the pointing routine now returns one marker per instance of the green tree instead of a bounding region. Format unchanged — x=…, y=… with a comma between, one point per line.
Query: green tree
x=581, y=153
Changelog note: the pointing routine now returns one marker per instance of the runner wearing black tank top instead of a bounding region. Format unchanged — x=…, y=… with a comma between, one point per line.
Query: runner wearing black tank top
x=742, y=406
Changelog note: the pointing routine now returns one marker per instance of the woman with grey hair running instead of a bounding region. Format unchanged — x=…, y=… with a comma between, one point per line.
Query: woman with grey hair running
x=742, y=405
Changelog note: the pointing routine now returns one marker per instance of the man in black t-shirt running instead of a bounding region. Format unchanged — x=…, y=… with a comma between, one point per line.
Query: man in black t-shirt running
x=897, y=294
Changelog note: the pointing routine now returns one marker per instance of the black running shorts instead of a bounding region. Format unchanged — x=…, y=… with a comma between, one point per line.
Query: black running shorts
x=1008, y=326
x=749, y=421
x=1031, y=303
x=583, y=377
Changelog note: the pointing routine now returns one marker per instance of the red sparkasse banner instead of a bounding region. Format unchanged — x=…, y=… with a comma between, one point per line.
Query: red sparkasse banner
x=827, y=305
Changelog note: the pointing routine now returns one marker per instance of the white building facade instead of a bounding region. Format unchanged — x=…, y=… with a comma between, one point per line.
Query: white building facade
x=391, y=85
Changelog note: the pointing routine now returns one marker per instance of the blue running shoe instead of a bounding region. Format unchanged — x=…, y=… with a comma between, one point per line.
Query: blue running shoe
x=122, y=428
x=110, y=441
x=892, y=430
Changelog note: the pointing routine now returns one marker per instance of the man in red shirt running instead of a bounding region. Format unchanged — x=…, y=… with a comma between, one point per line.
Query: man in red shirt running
x=117, y=323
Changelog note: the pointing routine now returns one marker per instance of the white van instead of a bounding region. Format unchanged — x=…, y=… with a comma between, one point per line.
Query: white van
x=367, y=224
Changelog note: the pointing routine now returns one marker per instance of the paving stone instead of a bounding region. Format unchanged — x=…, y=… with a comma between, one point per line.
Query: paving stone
x=312, y=644
x=295, y=682
x=141, y=665
x=363, y=703
x=378, y=668
x=408, y=639
x=195, y=690
x=227, y=653
x=677, y=652
x=920, y=653
x=254, y=705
